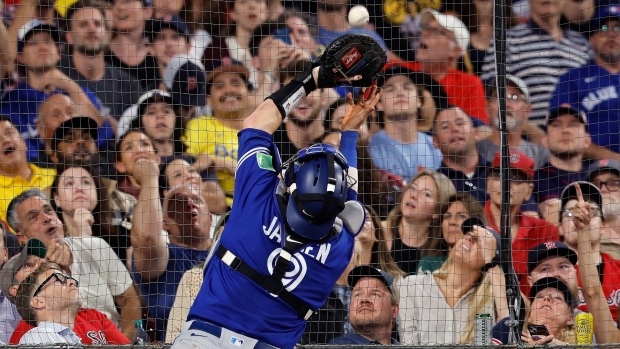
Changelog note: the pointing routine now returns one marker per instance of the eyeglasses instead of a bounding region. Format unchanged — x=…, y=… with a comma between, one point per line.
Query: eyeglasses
x=594, y=212
x=62, y=278
x=612, y=185
x=605, y=28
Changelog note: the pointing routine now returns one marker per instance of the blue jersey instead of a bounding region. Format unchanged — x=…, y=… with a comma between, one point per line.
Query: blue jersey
x=231, y=300
x=596, y=92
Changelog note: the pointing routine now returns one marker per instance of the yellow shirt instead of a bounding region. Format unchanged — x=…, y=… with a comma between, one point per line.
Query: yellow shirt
x=10, y=187
x=206, y=134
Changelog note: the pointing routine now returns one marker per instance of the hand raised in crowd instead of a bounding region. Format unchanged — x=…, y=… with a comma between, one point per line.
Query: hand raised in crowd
x=581, y=212
x=357, y=113
x=146, y=169
x=487, y=242
x=276, y=54
x=50, y=80
x=84, y=220
x=59, y=253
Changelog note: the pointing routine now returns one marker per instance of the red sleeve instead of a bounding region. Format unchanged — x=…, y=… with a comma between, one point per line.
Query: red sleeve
x=469, y=96
x=20, y=330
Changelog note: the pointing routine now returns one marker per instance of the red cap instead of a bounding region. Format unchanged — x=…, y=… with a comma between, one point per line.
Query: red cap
x=518, y=161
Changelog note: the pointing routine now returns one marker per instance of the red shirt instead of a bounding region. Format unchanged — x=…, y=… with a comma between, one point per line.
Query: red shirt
x=532, y=231
x=610, y=283
x=92, y=326
x=463, y=89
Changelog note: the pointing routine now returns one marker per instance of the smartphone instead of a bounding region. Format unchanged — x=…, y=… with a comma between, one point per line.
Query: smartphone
x=537, y=331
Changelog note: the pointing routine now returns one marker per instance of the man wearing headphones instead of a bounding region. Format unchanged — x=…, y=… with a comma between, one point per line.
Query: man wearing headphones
x=288, y=239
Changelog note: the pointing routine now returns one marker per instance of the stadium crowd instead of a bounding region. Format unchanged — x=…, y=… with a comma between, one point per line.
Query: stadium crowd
x=118, y=152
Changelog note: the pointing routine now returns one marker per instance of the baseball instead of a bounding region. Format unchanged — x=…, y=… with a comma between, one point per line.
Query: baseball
x=358, y=16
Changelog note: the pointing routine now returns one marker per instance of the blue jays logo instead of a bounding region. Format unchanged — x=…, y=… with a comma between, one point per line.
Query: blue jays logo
x=293, y=277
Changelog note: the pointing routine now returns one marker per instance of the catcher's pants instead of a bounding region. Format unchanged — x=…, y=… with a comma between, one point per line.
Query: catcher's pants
x=205, y=335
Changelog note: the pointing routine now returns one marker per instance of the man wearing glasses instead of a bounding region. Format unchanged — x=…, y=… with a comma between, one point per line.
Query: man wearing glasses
x=608, y=268
x=605, y=174
x=49, y=300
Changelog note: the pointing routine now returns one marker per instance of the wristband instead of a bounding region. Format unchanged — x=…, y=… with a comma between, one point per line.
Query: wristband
x=289, y=96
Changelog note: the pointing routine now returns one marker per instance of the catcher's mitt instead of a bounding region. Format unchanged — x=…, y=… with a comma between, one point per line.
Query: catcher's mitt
x=350, y=55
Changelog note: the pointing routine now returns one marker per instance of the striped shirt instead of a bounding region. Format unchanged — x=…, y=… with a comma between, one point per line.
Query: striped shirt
x=533, y=55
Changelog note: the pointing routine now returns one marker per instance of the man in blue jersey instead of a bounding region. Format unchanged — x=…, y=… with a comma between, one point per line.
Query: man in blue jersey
x=289, y=238
x=595, y=87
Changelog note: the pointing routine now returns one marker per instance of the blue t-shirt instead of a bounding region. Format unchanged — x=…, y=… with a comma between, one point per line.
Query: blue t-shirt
x=596, y=92
x=549, y=181
x=159, y=294
x=354, y=338
x=231, y=300
x=403, y=159
x=21, y=106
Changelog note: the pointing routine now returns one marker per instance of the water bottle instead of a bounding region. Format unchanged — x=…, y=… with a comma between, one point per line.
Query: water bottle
x=140, y=336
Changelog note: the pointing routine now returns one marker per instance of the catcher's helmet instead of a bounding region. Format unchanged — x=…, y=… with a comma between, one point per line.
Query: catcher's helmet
x=317, y=179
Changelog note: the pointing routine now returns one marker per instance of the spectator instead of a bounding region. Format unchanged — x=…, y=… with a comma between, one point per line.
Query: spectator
x=443, y=39
x=438, y=308
x=132, y=147
x=49, y=300
x=303, y=127
x=400, y=148
x=87, y=207
x=607, y=266
x=158, y=265
x=169, y=37
x=567, y=139
x=539, y=52
x=605, y=174
x=409, y=223
x=374, y=186
x=9, y=318
x=518, y=110
x=38, y=54
x=89, y=36
x=105, y=281
x=454, y=134
x=592, y=88
x=526, y=231
x=578, y=17
x=16, y=173
x=213, y=139
x=303, y=31
x=92, y=326
x=128, y=50
x=185, y=79
x=374, y=307
x=444, y=236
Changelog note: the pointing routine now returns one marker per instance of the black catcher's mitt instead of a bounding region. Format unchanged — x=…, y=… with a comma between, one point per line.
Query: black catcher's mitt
x=350, y=55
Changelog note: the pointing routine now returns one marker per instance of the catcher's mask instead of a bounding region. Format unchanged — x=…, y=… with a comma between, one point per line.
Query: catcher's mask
x=317, y=182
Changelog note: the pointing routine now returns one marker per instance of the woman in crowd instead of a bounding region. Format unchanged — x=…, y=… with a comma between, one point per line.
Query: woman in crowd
x=443, y=236
x=439, y=308
x=88, y=208
x=133, y=146
x=410, y=223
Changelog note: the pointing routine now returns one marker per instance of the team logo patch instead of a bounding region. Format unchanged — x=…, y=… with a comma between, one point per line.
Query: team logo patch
x=514, y=158
x=192, y=83
x=238, y=342
x=550, y=245
x=351, y=57
x=265, y=162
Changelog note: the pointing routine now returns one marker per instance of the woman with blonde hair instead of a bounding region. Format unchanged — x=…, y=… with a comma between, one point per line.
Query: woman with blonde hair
x=410, y=222
x=440, y=308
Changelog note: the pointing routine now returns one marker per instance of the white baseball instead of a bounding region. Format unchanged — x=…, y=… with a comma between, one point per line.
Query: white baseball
x=358, y=16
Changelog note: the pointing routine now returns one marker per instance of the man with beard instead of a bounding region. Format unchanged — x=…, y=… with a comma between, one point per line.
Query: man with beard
x=517, y=113
x=567, y=140
x=304, y=125
x=213, y=139
x=594, y=88
x=169, y=37
x=400, y=148
x=89, y=36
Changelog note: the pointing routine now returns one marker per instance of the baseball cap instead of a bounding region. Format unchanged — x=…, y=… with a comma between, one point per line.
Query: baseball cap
x=604, y=13
x=227, y=65
x=518, y=161
x=11, y=267
x=168, y=22
x=78, y=122
x=549, y=249
x=363, y=271
x=516, y=81
x=153, y=96
x=185, y=79
x=451, y=23
x=590, y=193
x=32, y=27
x=551, y=282
x=601, y=165
x=567, y=109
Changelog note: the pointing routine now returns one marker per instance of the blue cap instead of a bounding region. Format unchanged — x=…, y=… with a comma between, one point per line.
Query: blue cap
x=549, y=249
x=33, y=26
x=185, y=78
x=605, y=13
x=168, y=22
x=362, y=271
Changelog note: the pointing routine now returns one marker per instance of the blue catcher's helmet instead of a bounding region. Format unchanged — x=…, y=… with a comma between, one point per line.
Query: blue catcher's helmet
x=317, y=179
